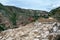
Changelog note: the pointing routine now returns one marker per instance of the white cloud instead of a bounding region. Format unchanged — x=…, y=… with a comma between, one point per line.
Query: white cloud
x=33, y=4
x=55, y=4
x=4, y=1
x=37, y=2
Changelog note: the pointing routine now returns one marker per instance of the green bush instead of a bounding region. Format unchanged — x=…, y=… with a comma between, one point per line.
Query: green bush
x=2, y=27
x=13, y=18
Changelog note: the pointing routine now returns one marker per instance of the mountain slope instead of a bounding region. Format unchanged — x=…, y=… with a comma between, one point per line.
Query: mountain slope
x=18, y=16
x=56, y=13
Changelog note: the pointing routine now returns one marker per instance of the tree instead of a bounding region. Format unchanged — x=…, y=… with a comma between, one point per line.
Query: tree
x=13, y=18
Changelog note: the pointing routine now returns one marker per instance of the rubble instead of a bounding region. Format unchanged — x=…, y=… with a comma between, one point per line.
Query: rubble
x=33, y=31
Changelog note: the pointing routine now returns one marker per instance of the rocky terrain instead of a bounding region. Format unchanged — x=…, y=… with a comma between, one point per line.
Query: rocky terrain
x=27, y=24
x=33, y=31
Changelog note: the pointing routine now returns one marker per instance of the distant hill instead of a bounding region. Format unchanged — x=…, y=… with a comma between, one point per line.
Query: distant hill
x=12, y=17
x=55, y=13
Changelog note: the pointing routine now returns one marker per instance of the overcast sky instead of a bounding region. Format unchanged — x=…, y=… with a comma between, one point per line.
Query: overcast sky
x=33, y=4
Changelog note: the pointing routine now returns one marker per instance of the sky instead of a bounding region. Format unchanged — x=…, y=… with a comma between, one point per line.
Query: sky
x=46, y=5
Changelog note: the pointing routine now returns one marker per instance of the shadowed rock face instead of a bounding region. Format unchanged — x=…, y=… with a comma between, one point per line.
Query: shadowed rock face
x=55, y=37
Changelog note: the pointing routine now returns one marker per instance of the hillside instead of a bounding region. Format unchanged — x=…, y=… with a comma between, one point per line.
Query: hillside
x=13, y=17
x=55, y=13
x=28, y=24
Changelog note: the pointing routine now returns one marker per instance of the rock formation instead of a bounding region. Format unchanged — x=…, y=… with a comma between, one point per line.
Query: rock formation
x=33, y=31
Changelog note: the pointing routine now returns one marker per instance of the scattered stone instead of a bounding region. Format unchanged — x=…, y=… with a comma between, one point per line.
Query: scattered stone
x=33, y=31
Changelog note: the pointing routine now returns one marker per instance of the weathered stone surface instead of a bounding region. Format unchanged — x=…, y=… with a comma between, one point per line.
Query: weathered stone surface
x=33, y=31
